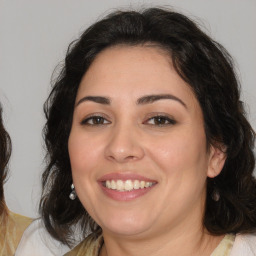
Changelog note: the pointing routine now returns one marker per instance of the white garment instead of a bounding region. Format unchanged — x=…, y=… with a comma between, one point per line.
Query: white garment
x=244, y=245
x=36, y=241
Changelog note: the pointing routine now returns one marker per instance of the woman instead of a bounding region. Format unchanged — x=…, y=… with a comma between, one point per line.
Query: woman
x=11, y=225
x=148, y=145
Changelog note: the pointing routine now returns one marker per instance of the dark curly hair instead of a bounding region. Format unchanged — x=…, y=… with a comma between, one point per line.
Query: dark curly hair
x=5, y=152
x=201, y=62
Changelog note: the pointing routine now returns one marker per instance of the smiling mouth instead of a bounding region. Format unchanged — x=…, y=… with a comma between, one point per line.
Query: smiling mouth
x=127, y=185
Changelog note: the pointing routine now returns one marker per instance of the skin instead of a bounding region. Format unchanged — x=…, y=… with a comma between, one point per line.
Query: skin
x=128, y=139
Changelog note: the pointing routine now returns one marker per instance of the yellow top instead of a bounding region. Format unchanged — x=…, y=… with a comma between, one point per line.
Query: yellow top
x=12, y=226
x=91, y=247
x=225, y=246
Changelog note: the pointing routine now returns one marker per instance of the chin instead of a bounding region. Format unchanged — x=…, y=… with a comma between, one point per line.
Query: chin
x=126, y=226
x=125, y=231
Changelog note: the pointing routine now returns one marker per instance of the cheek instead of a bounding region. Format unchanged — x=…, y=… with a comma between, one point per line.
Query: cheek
x=84, y=157
x=182, y=158
x=83, y=153
x=179, y=151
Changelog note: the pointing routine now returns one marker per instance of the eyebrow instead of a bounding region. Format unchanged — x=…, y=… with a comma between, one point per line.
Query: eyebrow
x=148, y=99
x=155, y=97
x=97, y=99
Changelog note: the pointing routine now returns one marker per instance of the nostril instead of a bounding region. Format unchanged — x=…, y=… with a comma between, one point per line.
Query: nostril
x=123, y=157
x=123, y=148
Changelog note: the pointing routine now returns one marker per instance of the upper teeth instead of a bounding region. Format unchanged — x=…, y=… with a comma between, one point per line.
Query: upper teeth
x=127, y=185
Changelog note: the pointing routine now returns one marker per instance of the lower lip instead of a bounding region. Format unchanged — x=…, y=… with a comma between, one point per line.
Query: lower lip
x=125, y=195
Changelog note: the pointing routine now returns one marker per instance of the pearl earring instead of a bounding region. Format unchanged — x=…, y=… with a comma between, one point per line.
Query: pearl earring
x=72, y=195
x=216, y=195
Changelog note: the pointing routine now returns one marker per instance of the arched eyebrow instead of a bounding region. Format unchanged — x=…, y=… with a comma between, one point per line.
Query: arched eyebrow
x=148, y=99
x=155, y=97
x=97, y=99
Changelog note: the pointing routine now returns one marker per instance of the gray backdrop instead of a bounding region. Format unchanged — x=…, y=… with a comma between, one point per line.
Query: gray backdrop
x=34, y=36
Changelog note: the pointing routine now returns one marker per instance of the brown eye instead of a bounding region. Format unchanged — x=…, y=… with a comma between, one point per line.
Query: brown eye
x=160, y=121
x=98, y=120
x=95, y=120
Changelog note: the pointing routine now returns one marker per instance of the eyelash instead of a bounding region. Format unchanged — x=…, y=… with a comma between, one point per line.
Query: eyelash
x=162, y=118
x=94, y=118
x=101, y=120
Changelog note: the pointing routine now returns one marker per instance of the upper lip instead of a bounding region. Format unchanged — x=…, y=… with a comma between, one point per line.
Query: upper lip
x=124, y=176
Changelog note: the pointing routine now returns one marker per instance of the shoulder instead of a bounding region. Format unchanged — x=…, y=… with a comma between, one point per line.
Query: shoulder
x=20, y=221
x=18, y=224
x=12, y=226
x=37, y=241
x=245, y=244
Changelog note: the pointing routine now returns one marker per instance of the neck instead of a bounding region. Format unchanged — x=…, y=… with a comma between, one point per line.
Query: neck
x=196, y=243
x=185, y=235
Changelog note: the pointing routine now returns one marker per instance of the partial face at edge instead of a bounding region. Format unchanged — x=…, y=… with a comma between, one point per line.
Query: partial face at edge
x=138, y=129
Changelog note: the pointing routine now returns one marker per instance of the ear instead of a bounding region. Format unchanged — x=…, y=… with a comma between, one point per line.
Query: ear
x=217, y=158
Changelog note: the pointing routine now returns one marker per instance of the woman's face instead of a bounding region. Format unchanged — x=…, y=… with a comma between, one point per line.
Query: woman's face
x=137, y=145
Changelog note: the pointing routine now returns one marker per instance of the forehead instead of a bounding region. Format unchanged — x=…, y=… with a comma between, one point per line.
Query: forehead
x=133, y=70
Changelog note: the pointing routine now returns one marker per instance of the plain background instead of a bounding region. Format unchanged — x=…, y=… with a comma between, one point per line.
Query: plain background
x=34, y=36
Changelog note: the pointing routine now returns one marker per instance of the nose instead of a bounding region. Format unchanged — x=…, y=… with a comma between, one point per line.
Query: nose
x=124, y=145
